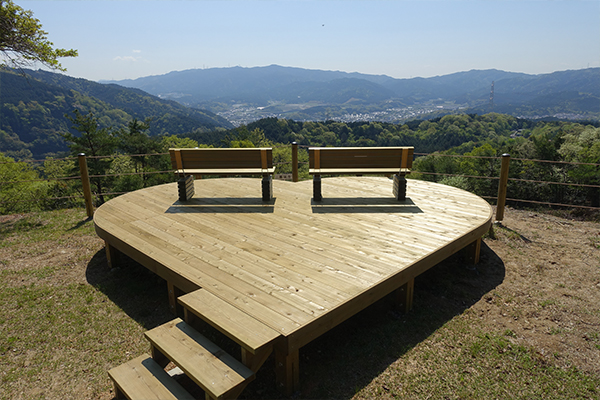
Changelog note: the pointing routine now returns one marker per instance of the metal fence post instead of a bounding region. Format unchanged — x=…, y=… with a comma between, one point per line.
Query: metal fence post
x=502, y=187
x=85, y=183
x=294, y=162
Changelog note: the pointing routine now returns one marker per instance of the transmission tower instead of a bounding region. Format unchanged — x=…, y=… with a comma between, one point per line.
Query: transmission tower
x=492, y=97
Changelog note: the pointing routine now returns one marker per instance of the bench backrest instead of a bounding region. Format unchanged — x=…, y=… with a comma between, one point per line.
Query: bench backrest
x=221, y=158
x=361, y=157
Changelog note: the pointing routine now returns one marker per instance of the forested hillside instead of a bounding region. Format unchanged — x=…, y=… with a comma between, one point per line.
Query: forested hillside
x=571, y=151
x=33, y=110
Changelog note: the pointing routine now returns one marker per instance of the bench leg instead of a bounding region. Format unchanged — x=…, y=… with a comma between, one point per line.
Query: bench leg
x=267, y=187
x=317, y=188
x=399, y=187
x=185, y=187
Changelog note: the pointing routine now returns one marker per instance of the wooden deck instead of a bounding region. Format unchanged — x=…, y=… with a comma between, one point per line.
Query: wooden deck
x=293, y=266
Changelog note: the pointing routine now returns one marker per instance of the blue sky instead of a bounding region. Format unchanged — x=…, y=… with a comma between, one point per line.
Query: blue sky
x=402, y=39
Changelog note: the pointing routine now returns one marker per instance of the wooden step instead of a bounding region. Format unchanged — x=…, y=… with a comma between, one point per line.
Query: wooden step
x=142, y=378
x=216, y=372
x=248, y=332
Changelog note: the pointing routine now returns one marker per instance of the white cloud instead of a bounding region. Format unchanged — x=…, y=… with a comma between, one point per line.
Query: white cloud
x=125, y=58
x=137, y=51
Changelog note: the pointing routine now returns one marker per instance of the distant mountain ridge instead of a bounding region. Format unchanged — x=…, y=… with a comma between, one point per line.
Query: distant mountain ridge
x=218, y=89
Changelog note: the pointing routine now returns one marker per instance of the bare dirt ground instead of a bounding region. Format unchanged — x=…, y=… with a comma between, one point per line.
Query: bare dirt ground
x=550, y=295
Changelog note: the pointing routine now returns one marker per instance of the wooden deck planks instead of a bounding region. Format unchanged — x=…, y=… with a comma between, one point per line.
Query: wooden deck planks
x=296, y=266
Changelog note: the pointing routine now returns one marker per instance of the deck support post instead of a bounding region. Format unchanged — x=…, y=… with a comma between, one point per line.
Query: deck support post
x=287, y=371
x=472, y=252
x=404, y=296
x=399, y=189
x=112, y=255
x=174, y=293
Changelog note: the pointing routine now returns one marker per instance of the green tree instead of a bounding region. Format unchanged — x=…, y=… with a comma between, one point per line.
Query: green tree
x=23, y=42
x=19, y=189
x=61, y=192
x=176, y=142
x=135, y=142
x=94, y=142
x=583, y=146
x=243, y=137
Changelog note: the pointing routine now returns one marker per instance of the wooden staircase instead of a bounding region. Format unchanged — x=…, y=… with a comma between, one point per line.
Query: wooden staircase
x=219, y=374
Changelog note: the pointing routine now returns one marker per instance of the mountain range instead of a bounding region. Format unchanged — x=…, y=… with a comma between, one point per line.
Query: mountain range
x=298, y=93
x=33, y=104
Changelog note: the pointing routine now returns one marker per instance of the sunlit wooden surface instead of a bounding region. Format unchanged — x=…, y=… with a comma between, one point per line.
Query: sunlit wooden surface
x=299, y=267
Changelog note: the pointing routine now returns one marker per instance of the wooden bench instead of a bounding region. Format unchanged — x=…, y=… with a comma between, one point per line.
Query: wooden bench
x=396, y=161
x=190, y=163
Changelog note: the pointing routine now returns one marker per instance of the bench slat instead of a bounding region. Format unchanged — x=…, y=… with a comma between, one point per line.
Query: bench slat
x=229, y=171
x=357, y=171
x=221, y=158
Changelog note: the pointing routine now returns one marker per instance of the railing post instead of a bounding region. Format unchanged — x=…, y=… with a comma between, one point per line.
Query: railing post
x=502, y=187
x=294, y=162
x=85, y=182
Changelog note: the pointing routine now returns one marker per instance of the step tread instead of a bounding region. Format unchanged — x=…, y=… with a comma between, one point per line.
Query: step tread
x=215, y=371
x=242, y=328
x=142, y=378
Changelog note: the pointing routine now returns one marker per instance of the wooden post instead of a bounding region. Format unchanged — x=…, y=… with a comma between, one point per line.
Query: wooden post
x=404, y=296
x=502, y=187
x=287, y=371
x=472, y=252
x=174, y=306
x=112, y=255
x=294, y=162
x=85, y=182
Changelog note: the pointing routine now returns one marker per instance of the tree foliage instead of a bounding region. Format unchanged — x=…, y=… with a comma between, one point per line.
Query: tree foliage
x=20, y=189
x=129, y=158
x=23, y=42
x=94, y=142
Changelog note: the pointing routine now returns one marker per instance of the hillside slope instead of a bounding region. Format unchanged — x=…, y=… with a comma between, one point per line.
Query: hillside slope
x=33, y=109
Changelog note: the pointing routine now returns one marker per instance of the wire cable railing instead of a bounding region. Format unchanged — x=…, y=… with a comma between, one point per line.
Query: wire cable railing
x=75, y=191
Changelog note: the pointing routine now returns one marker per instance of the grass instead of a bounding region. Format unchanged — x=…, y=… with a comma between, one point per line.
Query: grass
x=65, y=320
x=62, y=326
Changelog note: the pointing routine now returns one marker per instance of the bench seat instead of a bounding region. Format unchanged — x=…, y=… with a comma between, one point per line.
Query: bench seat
x=232, y=171
x=357, y=171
